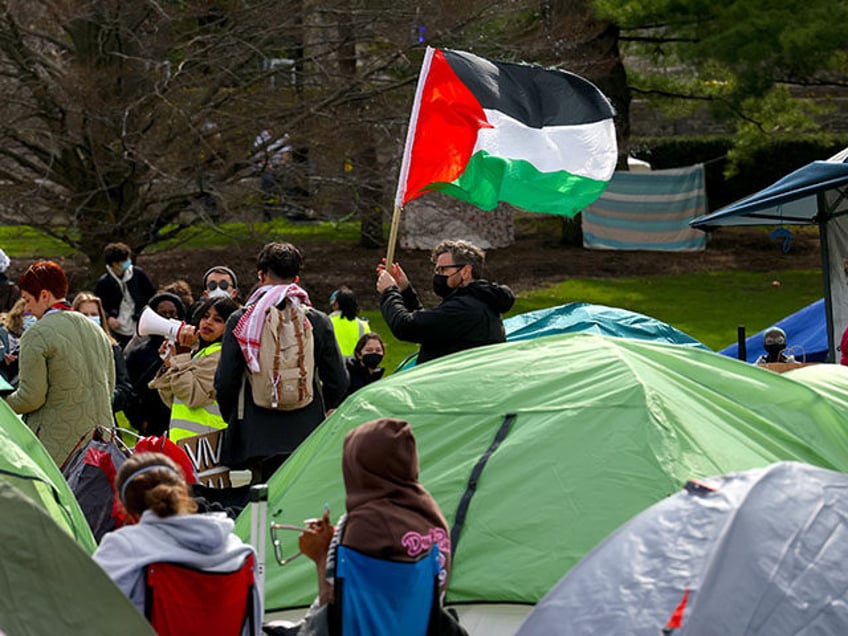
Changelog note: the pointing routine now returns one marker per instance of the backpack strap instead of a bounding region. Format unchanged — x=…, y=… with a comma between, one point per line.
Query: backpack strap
x=301, y=355
x=275, y=370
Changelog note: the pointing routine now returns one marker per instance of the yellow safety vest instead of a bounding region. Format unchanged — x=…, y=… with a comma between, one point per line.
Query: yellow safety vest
x=348, y=332
x=187, y=421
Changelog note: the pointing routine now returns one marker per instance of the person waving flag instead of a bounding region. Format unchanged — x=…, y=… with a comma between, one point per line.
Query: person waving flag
x=483, y=132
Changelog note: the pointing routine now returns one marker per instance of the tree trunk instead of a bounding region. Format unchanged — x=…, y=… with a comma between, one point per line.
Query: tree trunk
x=367, y=184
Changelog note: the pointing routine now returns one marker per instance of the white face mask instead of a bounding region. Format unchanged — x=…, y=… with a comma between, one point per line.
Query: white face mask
x=218, y=293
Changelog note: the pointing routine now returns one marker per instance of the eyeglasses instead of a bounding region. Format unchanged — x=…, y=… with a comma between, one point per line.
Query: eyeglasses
x=212, y=285
x=441, y=269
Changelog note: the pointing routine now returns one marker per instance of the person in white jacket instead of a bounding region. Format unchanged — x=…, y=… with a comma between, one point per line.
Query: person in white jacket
x=155, y=496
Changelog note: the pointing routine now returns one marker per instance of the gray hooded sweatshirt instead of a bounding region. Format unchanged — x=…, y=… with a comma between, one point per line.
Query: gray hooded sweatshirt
x=202, y=541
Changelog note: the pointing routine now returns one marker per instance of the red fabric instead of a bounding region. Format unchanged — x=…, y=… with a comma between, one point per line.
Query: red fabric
x=449, y=118
x=676, y=620
x=185, y=602
x=103, y=460
x=154, y=444
x=844, y=347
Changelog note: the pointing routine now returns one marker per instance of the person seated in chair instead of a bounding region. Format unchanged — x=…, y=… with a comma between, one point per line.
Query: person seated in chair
x=390, y=515
x=154, y=493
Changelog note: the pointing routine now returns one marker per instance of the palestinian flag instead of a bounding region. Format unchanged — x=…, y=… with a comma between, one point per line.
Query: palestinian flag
x=540, y=139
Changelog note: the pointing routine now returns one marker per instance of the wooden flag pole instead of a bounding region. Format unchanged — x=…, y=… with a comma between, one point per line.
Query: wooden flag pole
x=403, y=178
x=393, y=232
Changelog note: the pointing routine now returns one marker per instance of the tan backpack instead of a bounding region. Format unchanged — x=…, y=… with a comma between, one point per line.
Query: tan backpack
x=286, y=360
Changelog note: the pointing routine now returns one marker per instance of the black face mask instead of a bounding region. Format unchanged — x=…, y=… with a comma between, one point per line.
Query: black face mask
x=372, y=360
x=440, y=285
x=774, y=350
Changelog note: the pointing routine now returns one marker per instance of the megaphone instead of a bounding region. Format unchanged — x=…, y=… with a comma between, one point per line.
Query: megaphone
x=152, y=324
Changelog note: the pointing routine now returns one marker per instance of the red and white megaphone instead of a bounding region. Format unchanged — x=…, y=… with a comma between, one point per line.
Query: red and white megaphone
x=152, y=324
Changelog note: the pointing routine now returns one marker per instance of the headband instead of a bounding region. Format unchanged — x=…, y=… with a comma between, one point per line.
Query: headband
x=139, y=472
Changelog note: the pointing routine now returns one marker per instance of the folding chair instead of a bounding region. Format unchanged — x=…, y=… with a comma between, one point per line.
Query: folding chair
x=374, y=597
x=184, y=601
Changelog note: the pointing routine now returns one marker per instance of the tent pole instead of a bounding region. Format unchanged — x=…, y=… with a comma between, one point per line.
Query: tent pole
x=821, y=204
x=742, y=353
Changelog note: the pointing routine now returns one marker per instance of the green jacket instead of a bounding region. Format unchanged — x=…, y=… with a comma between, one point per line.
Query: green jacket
x=67, y=377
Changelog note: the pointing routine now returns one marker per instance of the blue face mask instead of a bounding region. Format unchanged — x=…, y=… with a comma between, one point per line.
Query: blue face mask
x=94, y=319
x=29, y=321
x=126, y=265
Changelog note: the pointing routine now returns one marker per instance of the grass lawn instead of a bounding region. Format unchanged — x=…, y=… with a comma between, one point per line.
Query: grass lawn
x=708, y=306
x=22, y=241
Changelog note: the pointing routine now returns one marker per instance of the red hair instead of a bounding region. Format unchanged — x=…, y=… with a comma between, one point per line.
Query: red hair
x=44, y=275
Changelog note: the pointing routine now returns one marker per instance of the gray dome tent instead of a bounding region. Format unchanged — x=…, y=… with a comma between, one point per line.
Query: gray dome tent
x=757, y=552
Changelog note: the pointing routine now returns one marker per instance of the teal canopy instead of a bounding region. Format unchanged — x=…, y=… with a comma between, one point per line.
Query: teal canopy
x=592, y=431
x=599, y=319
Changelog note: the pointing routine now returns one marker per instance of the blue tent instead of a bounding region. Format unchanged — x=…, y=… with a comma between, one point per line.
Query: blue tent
x=599, y=319
x=815, y=194
x=806, y=336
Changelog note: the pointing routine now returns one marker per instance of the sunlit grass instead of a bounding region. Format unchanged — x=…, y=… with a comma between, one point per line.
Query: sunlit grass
x=238, y=234
x=707, y=305
x=22, y=241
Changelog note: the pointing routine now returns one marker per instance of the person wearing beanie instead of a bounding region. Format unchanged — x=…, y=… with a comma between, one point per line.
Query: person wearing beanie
x=774, y=342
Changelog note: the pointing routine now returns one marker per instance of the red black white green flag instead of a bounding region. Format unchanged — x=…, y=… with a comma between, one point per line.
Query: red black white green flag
x=481, y=131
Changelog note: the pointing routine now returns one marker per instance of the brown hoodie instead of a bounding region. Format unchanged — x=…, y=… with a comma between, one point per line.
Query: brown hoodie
x=389, y=514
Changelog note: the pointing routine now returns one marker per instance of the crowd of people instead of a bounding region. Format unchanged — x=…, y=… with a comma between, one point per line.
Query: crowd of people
x=264, y=374
x=177, y=367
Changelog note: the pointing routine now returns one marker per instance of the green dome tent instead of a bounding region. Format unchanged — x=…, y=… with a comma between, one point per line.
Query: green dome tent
x=581, y=431
x=831, y=380
x=49, y=585
x=25, y=464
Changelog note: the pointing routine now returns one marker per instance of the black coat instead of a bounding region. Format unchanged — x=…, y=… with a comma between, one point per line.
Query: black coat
x=109, y=291
x=9, y=293
x=266, y=432
x=468, y=317
x=145, y=411
x=359, y=375
x=124, y=393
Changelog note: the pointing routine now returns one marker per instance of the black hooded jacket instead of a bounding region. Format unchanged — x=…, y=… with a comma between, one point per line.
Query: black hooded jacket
x=468, y=317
